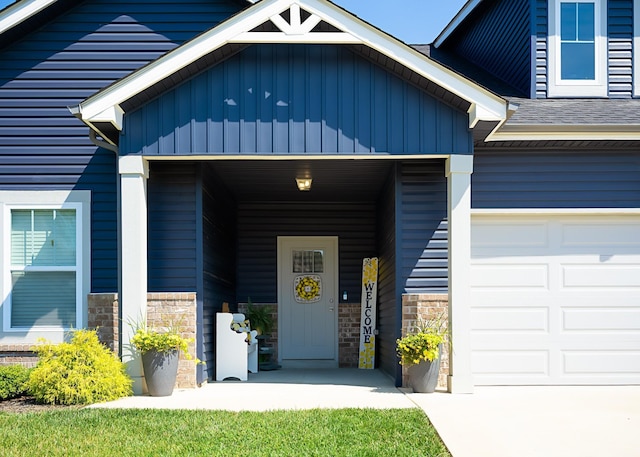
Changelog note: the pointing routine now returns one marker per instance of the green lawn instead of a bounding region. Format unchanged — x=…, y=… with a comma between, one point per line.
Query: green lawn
x=103, y=432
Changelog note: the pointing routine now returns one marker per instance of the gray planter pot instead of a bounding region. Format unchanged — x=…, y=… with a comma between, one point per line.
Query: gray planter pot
x=423, y=377
x=160, y=372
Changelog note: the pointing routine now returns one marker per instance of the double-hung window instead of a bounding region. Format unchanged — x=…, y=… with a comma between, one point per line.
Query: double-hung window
x=577, y=58
x=45, y=262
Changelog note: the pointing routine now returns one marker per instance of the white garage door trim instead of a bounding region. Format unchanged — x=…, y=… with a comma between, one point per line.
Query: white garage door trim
x=555, y=297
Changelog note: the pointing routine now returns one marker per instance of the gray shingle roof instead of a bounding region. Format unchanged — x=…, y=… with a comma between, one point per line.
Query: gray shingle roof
x=587, y=111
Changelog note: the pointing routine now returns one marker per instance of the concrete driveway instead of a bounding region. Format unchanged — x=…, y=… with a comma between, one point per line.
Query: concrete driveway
x=573, y=421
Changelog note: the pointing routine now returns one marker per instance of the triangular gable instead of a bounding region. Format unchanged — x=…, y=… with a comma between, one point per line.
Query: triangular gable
x=287, y=21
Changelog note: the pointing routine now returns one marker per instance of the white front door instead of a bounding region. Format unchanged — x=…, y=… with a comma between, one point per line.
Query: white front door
x=307, y=298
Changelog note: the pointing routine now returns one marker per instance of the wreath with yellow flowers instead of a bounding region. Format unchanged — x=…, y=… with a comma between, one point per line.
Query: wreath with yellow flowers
x=307, y=289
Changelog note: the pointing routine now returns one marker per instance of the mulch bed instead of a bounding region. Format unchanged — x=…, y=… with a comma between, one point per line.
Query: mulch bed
x=28, y=405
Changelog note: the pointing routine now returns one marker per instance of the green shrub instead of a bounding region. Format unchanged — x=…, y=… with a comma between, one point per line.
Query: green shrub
x=78, y=373
x=13, y=379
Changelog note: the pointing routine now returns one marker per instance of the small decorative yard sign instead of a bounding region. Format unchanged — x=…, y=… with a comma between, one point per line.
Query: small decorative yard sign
x=368, y=314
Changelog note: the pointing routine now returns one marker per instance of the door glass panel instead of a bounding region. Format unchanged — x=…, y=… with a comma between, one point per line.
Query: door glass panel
x=307, y=261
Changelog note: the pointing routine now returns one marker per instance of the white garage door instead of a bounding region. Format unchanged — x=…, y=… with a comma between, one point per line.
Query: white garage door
x=556, y=299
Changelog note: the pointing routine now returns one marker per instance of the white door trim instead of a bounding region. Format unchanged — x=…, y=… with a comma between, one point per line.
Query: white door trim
x=333, y=240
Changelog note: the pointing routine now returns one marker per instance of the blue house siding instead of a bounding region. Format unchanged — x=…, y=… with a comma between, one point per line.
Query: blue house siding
x=310, y=99
x=620, y=31
x=423, y=214
x=172, y=225
x=497, y=39
x=552, y=179
x=42, y=146
x=389, y=312
x=218, y=271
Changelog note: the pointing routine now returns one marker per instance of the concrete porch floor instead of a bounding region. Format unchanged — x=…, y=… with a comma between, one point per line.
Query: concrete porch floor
x=288, y=388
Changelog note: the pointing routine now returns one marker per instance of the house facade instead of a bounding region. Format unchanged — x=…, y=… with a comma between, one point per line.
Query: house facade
x=490, y=177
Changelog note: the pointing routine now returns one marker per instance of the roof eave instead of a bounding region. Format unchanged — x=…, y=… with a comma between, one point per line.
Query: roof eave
x=582, y=132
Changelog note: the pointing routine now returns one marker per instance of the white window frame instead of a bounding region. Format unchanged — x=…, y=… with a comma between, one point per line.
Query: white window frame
x=558, y=87
x=636, y=48
x=80, y=201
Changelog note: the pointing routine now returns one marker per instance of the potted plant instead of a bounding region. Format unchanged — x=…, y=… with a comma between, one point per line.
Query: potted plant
x=420, y=351
x=160, y=353
x=260, y=317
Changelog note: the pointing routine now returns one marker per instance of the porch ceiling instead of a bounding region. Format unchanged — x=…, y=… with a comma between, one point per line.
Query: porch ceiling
x=333, y=180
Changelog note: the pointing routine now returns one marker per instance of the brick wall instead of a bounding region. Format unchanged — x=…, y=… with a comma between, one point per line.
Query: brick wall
x=424, y=307
x=17, y=354
x=103, y=316
x=163, y=309
x=348, y=334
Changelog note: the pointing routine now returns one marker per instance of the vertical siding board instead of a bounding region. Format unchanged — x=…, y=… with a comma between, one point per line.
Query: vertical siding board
x=314, y=97
x=330, y=100
x=281, y=100
x=363, y=136
x=396, y=123
x=248, y=107
x=347, y=106
x=183, y=115
x=265, y=82
x=167, y=124
x=297, y=96
x=379, y=112
x=216, y=109
x=199, y=99
x=231, y=102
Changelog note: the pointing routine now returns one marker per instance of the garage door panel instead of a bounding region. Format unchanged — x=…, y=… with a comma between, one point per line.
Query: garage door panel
x=510, y=363
x=600, y=276
x=510, y=319
x=558, y=302
x=600, y=235
x=509, y=235
x=601, y=319
x=611, y=363
x=512, y=276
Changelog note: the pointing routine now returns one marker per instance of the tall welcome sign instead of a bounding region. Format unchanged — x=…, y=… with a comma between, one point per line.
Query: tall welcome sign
x=368, y=313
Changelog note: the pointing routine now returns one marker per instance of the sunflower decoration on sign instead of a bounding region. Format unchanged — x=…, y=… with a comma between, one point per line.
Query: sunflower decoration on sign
x=307, y=289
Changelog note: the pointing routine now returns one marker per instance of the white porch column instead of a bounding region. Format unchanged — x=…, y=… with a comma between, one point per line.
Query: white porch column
x=134, y=172
x=458, y=172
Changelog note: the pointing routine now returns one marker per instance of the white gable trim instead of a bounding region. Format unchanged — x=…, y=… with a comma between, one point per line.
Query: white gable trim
x=485, y=105
x=21, y=11
x=546, y=132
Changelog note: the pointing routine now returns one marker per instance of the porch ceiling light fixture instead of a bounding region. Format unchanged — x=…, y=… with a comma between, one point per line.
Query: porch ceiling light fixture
x=304, y=184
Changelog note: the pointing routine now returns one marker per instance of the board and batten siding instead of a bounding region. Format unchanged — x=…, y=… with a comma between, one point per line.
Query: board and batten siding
x=59, y=64
x=556, y=180
x=619, y=47
x=301, y=99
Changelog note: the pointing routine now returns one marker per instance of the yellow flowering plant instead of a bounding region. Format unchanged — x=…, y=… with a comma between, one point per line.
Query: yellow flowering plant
x=167, y=340
x=422, y=343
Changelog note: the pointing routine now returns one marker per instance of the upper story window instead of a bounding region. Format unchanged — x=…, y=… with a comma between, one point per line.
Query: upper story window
x=577, y=56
